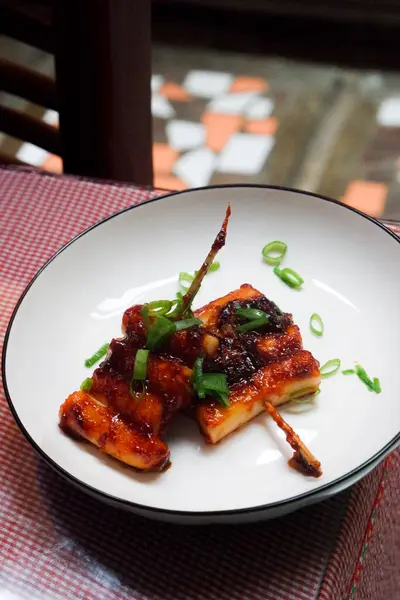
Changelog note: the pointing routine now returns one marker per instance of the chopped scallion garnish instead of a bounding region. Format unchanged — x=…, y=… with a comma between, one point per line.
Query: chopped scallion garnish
x=145, y=314
x=197, y=377
x=274, y=252
x=372, y=384
x=290, y=277
x=159, y=331
x=185, y=279
x=159, y=308
x=316, y=324
x=330, y=368
x=175, y=308
x=89, y=362
x=250, y=313
x=254, y=324
x=186, y=323
x=140, y=366
x=86, y=384
x=256, y=318
x=177, y=311
x=377, y=385
x=362, y=374
x=215, y=385
x=210, y=384
x=162, y=328
x=214, y=267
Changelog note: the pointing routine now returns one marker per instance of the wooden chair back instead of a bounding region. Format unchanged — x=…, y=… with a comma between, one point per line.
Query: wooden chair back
x=102, y=51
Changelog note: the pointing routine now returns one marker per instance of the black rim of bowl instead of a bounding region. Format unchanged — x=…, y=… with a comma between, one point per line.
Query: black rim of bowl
x=149, y=510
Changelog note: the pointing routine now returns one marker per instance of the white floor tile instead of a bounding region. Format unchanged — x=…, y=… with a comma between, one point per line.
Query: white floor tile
x=207, y=84
x=33, y=155
x=156, y=82
x=161, y=108
x=51, y=117
x=196, y=167
x=245, y=154
x=259, y=108
x=389, y=112
x=231, y=104
x=185, y=135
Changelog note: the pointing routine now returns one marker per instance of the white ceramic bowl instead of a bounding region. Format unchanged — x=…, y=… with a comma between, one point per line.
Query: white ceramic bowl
x=350, y=264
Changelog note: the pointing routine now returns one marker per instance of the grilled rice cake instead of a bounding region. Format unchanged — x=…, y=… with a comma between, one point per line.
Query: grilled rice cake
x=268, y=364
x=124, y=423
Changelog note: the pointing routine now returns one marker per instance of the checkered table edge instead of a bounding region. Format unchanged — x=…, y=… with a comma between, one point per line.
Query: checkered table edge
x=58, y=543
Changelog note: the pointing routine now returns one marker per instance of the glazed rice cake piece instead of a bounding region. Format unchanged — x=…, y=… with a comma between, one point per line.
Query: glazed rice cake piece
x=275, y=383
x=266, y=365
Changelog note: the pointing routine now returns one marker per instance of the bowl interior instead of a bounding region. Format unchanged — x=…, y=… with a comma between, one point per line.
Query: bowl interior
x=349, y=265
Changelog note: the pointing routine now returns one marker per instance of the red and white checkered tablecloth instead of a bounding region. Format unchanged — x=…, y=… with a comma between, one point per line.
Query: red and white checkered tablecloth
x=57, y=543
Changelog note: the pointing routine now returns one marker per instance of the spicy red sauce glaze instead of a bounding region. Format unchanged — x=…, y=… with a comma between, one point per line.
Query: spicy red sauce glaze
x=168, y=378
x=169, y=369
x=187, y=345
x=238, y=356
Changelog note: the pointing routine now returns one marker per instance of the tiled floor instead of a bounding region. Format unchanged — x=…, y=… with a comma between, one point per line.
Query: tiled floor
x=234, y=118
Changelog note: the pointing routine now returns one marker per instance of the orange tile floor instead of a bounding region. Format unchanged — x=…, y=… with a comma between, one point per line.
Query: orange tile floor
x=213, y=126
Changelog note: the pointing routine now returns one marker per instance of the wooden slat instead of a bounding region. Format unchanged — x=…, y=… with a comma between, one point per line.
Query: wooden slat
x=6, y=159
x=29, y=22
x=28, y=84
x=103, y=71
x=355, y=44
x=26, y=128
x=358, y=11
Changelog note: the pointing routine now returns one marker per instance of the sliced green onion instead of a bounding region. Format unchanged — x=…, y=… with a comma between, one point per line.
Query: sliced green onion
x=250, y=313
x=304, y=395
x=362, y=374
x=159, y=308
x=290, y=277
x=374, y=385
x=330, y=368
x=188, y=312
x=139, y=373
x=140, y=366
x=175, y=309
x=254, y=324
x=316, y=324
x=159, y=331
x=377, y=385
x=185, y=279
x=89, y=362
x=198, y=377
x=214, y=267
x=210, y=384
x=274, y=252
x=86, y=384
x=145, y=314
x=186, y=323
x=216, y=385
x=163, y=328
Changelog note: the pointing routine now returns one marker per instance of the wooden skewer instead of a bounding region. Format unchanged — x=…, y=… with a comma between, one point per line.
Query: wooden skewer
x=218, y=243
x=303, y=460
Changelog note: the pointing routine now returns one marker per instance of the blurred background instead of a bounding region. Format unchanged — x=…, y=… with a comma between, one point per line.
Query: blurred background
x=295, y=93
